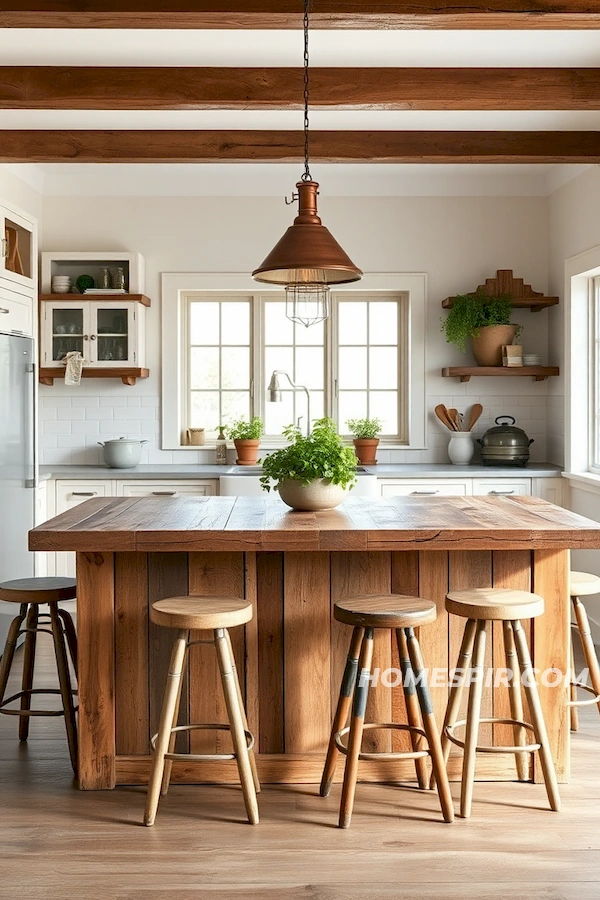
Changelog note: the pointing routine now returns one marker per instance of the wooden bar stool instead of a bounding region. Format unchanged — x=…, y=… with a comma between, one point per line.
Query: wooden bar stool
x=202, y=613
x=401, y=614
x=480, y=606
x=582, y=584
x=31, y=593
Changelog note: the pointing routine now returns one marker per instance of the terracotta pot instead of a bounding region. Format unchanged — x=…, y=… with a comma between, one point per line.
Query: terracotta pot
x=487, y=346
x=318, y=494
x=247, y=452
x=366, y=450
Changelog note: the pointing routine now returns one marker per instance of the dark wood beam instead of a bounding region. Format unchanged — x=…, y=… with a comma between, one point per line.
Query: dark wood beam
x=91, y=87
x=380, y=14
x=287, y=146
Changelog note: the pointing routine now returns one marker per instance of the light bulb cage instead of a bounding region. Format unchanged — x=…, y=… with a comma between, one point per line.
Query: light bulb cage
x=307, y=304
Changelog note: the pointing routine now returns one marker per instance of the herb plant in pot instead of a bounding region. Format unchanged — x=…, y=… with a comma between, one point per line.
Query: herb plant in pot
x=486, y=321
x=314, y=472
x=365, y=433
x=246, y=437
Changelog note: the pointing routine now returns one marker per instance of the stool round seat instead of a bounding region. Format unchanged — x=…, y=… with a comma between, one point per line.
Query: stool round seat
x=385, y=611
x=38, y=590
x=197, y=613
x=494, y=604
x=582, y=584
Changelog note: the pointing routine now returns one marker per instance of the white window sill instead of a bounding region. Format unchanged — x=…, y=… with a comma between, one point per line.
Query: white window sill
x=277, y=445
x=588, y=480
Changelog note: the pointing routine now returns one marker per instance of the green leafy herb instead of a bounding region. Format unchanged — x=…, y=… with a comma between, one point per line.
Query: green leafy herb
x=470, y=312
x=322, y=454
x=241, y=430
x=364, y=428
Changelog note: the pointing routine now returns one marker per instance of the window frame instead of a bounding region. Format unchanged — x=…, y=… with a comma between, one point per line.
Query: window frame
x=176, y=286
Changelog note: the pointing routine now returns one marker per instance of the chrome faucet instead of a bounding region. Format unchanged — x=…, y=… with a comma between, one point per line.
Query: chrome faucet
x=274, y=392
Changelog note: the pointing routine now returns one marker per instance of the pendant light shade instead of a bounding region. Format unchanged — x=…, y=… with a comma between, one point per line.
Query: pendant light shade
x=307, y=253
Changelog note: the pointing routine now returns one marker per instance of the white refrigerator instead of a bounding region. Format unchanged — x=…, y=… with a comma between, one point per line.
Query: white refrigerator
x=17, y=463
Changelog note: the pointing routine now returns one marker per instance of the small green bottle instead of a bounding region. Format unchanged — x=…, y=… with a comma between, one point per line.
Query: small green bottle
x=221, y=448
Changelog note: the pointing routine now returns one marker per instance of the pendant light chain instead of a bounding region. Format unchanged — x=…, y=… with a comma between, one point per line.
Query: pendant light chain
x=306, y=176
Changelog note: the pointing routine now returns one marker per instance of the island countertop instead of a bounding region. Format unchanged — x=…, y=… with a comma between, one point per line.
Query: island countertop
x=293, y=566
x=152, y=524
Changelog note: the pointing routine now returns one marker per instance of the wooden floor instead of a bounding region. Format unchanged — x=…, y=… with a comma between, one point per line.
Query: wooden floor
x=58, y=842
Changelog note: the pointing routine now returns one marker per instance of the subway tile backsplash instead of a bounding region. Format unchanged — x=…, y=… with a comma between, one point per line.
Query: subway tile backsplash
x=72, y=424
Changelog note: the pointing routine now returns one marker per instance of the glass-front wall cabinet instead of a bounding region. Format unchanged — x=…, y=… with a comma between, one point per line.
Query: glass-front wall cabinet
x=106, y=334
x=17, y=251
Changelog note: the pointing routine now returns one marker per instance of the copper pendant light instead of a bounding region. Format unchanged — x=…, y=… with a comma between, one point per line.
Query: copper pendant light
x=308, y=258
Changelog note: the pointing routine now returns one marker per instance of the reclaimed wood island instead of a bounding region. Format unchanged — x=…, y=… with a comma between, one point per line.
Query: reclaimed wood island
x=293, y=566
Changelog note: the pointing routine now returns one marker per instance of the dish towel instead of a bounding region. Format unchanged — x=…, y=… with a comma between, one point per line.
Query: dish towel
x=74, y=367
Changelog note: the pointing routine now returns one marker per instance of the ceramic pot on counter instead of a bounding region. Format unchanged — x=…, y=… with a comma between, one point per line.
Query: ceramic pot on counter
x=122, y=453
x=504, y=444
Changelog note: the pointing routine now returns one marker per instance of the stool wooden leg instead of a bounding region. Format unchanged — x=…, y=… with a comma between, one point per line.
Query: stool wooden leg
x=430, y=726
x=573, y=690
x=71, y=636
x=28, y=664
x=9, y=648
x=473, y=716
x=238, y=736
x=342, y=709
x=456, y=691
x=243, y=711
x=357, y=722
x=589, y=651
x=412, y=706
x=166, y=779
x=537, y=717
x=64, y=681
x=516, y=701
x=164, y=728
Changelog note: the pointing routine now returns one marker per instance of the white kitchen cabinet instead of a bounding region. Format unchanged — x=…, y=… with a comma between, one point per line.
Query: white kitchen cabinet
x=110, y=334
x=551, y=489
x=68, y=495
x=452, y=487
x=502, y=487
x=207, y=487
x=16, y=313
x=18, y=252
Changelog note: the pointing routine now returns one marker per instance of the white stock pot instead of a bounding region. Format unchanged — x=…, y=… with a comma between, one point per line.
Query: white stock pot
x=122, y=453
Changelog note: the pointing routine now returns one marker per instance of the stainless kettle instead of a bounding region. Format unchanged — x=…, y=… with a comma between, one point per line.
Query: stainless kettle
x=505, y=444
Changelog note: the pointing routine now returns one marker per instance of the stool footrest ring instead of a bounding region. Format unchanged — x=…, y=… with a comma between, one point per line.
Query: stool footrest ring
x=32, y=712
x=492, y=720
x=595, y=698
x=200, y=757
x=370, y=726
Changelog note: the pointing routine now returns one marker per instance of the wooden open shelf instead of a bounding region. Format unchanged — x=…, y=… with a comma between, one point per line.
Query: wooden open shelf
x=100, y=298
x=127, y=375
x=540, y=373
x=522, y=296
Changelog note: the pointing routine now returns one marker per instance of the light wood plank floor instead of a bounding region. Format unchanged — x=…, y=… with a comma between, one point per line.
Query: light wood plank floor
x=64, y=844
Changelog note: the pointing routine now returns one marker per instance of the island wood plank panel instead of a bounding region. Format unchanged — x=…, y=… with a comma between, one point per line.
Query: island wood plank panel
x=269, y=595
x=433, y=585
x=268, y=14
x=213, y=574
x=511, y=569
x=248, y=667
x=132, y=700
x=210, y=146
x=96, y=671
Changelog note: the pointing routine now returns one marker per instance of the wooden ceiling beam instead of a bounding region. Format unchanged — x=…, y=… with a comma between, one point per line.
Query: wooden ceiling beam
x=379, y=14
x=173, y=88
x=287, y=146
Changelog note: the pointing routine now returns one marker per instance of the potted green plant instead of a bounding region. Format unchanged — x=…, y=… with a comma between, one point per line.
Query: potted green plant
x=486, y=321
x=314, y=472
x=365, y=433
x=246, y=437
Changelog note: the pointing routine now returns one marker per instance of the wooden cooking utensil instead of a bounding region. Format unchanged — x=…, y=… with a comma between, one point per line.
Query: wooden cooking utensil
x=476, y=411
x=444, y=416
x=454, y=418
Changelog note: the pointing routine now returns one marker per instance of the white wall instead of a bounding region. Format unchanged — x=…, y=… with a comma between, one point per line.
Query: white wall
x=14, y=190
x=456, y=241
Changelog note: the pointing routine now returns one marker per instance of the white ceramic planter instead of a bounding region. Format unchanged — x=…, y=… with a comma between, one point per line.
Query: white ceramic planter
x=460, y=448
x=318, y=494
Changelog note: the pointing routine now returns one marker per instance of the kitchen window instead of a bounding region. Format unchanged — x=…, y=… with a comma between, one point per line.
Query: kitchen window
x=227, y=343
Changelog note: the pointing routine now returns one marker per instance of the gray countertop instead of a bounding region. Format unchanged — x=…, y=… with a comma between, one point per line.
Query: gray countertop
x=386, y=470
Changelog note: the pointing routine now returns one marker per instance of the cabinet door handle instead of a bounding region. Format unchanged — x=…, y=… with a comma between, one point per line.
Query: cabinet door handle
x=164, y=493
x=84, y=493
x=501, y=493
x=424, y=493
x=92, y=337
x=3, y=248
x=4, y=311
